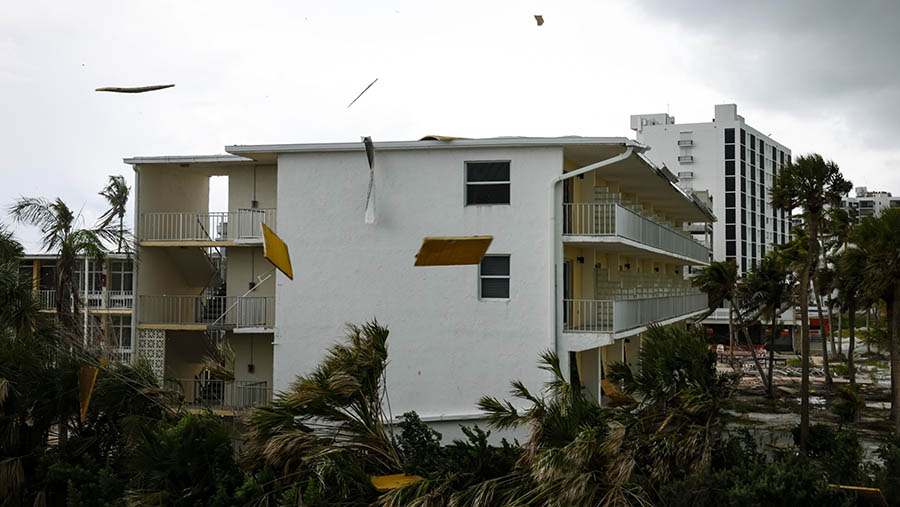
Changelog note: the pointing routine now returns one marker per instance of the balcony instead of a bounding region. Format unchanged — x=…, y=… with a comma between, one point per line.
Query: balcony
x=227, y=228
x=682, y=143
x=207, y=312
x=615, y=316
x=95, y=300
x=685, y=159
x=606, y=222
x=221, y=394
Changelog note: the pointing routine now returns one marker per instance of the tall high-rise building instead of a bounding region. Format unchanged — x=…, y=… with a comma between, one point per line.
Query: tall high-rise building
x=736, y=164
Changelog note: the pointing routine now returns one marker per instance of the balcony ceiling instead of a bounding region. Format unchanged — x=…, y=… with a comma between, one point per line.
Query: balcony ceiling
x=638, y=175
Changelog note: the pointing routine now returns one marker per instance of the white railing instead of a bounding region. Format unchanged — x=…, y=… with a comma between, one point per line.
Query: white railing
x=611, y=219
x=207, y=226
x=608, y=316
x=685, y=159
x=47, y=299
x=119, y=299
x=227, y=311
x=222, y=394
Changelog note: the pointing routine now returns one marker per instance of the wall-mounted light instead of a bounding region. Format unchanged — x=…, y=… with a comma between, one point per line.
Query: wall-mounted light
x=580, y=260
x=676, y=271
x=627, y=266
x=656, y=269
x=581, y=176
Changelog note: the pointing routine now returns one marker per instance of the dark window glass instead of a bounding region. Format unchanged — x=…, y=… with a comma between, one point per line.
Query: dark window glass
x=743, y=248
x=729, y=216
x=752, y=141
x=743, y=216
x=729, y=167
x=752, y=204
x=752, y=173
x=743, y=185
x=753, y=219
x=752, y=190
x=743, y=153
x=729, y=259
x=729, y=183
x=730, y=248
x=781, y=157
x=743, y=169
x=743, y=200
x=729, y=232
x=773, y=154
x=729, y=199
x=729, y=151
x=744, y=264
x=762, y=161
x=753, y=235
x=495, y=277
x=487, y=182
x=743, y=136
x=743, y=232
x=762, y=146
x=729, y=135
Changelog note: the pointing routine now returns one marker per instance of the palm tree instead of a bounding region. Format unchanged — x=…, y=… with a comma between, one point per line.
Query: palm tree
x=61, y=235
x=813, y=184
x=821, y=280
x=116, y=194
x=879, y=241
x=333, y=418
x=848, y=282
x=768, y=285
x=719, y=281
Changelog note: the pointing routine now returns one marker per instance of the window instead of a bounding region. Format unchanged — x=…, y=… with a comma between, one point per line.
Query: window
x=729, y=231
x=730, y=247
x=487, y=183
x=743, y=152
x=743, y=185
x=743, y=169
x=743, y=134
x=729, y=184
x=120, y=276
x=729, y=168
x=729, y=216
x=120, y=325
x=729, y=135
x=752, y=141
x=729, y=199
x=729, y=151
x=494, y=275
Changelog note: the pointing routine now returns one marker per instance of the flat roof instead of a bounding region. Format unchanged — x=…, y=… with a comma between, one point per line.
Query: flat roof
x=187, y=159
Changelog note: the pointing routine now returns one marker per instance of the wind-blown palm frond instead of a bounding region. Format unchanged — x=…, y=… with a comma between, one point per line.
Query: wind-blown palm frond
x=116, y=194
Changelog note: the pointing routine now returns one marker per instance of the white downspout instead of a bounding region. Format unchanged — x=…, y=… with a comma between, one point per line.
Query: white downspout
x=135, y=264
x=554, y=292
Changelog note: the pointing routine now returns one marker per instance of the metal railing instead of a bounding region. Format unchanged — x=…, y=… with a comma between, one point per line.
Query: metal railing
x=611, y=219
x=206, y=226
x=47, y=299
x=227, y=311
x=222, y=394
x=119, y=299
x=608, y=316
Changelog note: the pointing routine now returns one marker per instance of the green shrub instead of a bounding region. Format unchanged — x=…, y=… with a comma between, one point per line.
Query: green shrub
x=420, y=447
x=840, y=370
x=795, y=362
x=887, y=476
x=849, y=404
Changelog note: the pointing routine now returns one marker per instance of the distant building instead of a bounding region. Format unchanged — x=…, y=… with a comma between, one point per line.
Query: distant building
x=104, y=289
x=868, y=203
x=736, y=164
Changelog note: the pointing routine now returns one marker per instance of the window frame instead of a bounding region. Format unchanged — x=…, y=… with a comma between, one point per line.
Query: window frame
x=507, y=277
x=466, y=182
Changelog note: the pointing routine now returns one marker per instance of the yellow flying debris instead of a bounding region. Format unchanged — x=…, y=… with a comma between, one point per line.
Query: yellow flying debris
x=453, y=251
x=276, y=251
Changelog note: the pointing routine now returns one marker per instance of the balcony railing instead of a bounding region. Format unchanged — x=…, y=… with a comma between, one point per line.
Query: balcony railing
x=111, y=299
x=685, y=159
x=225, y=311
x=685, y=142
x=222, y=394
x=611, y=219
x=208, y=226
x=607, y=316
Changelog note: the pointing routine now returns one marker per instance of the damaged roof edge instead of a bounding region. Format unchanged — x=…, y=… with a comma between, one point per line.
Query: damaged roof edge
x=664, y=172
x=494, y=142
x=195, y=159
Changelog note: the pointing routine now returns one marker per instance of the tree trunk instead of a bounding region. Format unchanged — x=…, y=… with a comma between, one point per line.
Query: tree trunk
x=823, y=335
x=835, y=352
x=772, y=353
x=893, y=324
x=121, y=232
x=743, y=326
x=731, y=333
x=840, y=330
x=868, y=333
x=804, y=331
x=850, y=366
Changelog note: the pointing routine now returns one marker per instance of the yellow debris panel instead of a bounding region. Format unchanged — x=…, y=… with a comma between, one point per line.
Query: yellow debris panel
x=388, y=482
x=453, y=251
x=865, y=496
x=276, y=252
x=87, y=377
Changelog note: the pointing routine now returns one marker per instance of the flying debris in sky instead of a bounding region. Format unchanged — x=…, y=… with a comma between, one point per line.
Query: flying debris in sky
x=139, y=89
x=361, y=93
x=539, y=19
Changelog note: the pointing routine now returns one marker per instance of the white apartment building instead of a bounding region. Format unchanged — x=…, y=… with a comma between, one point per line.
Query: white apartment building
x=867, y=203
x=587, y=251
x=736, y=164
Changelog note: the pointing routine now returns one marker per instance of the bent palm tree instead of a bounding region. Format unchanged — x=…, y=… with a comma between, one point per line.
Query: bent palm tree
x=116, y=194
x=769, y=285
x=878, y=239
x=60, y=235
x=719, y=281
x=849, y=283
x=813, y=184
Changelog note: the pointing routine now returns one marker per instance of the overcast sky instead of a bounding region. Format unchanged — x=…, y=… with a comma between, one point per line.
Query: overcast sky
x=819, y=75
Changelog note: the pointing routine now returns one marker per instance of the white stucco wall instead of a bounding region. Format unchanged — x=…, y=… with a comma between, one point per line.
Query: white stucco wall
x=447, y=348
